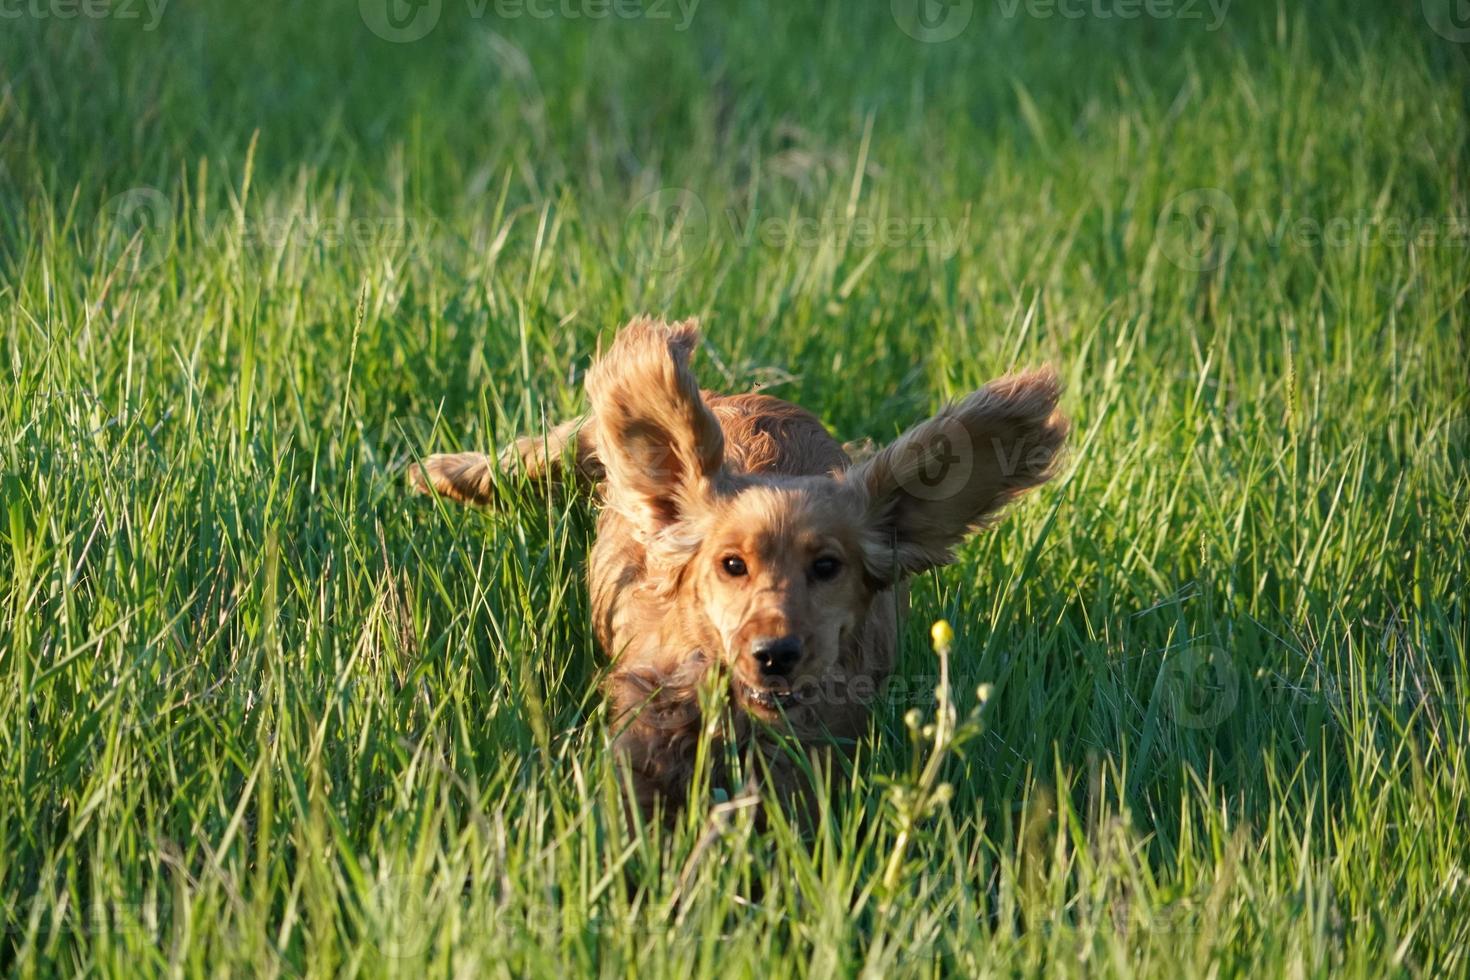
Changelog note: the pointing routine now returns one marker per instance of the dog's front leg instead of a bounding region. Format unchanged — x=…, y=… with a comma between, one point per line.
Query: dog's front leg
x=470, y=477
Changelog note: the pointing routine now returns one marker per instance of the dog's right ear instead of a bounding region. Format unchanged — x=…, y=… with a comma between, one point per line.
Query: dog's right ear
x=658, y=441
x=952, y=474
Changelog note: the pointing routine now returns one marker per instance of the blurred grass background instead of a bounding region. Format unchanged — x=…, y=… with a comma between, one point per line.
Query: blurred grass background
x=264, y=713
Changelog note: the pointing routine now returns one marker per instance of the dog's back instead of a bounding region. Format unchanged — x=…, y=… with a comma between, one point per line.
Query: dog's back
x=766, y=435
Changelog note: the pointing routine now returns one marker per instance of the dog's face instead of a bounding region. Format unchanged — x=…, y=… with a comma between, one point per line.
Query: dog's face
x=774, y=575
x=779, y=578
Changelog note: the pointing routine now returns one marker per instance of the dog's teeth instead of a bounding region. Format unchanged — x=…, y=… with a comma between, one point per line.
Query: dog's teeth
x=766, y=699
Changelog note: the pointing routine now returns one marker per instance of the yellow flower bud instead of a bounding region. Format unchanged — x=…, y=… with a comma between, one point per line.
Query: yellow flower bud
x=942, y=634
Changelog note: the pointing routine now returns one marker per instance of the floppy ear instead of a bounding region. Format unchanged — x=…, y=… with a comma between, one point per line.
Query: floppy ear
x=949, y=476
x=659, y=443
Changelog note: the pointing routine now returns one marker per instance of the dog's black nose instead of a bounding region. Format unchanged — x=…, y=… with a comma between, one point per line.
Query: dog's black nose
x=776, y=657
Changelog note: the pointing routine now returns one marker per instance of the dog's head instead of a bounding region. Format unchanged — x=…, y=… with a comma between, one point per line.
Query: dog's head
x=778, y=572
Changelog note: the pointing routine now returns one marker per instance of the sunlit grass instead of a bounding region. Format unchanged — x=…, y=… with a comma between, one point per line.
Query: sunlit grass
x=263, y=712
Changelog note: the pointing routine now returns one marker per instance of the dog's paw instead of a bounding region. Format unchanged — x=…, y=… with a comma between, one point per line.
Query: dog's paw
x=466, y=477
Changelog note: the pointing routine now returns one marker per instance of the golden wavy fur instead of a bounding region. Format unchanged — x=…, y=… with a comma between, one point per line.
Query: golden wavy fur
x=737, y=543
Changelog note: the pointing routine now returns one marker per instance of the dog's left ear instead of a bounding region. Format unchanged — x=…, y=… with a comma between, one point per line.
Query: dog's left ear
x=660, y=444
x=951, y=475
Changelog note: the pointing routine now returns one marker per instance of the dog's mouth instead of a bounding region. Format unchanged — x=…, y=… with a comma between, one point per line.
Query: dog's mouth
x=767, y=700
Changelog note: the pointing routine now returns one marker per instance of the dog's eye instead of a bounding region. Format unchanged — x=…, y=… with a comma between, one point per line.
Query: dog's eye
x=733, y=565
x=826, y=568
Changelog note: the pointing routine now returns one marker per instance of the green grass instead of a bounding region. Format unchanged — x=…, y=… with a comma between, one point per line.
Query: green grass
x=262, y=712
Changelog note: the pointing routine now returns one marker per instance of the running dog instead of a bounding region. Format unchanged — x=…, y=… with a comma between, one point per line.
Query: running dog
x=738, y=546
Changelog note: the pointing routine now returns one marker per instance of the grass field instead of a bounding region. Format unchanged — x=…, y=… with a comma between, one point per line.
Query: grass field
x=264, y=713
